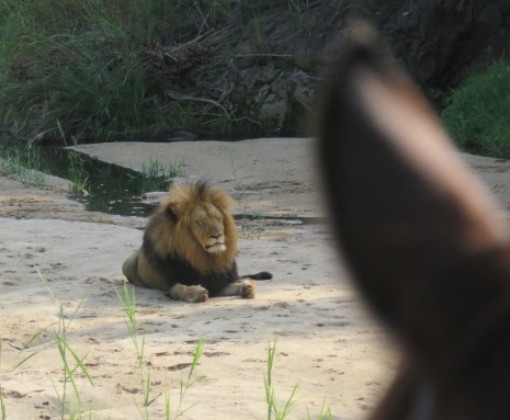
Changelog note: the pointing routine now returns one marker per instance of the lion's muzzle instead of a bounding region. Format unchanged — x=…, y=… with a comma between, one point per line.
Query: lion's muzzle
x=216, y=248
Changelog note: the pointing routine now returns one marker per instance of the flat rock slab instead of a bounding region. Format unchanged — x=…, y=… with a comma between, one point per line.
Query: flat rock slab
x=269, y=176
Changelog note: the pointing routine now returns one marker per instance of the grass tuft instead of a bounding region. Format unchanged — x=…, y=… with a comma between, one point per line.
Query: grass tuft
x=71, y=361
x=273, y=410
x=23, y=165
x=77, y=173
x=477, y=114
x=190, y=380
x=127, y=299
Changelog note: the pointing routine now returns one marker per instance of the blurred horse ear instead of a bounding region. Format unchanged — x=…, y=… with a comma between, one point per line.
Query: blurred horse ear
x=404, y=205
x=400, y=196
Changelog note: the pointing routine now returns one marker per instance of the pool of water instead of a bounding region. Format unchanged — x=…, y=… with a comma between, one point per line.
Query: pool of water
x=109, y=188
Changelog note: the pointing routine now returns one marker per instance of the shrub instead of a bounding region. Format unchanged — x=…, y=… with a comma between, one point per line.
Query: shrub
x=90, y=70
x=74, y=64
x=478, y=113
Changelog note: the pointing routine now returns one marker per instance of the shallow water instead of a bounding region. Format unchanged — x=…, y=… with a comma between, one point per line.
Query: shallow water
x=109, y=188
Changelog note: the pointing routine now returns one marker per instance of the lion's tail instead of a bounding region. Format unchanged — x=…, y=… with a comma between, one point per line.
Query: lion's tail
x=263, y=275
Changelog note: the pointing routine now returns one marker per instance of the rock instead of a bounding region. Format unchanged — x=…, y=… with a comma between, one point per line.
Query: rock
x=253, y=74
x=274, y=107
x=440, y=43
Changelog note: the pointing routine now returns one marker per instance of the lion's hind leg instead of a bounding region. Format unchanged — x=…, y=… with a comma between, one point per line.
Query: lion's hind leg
x=191, y=294
x=244, y=288
x=130, y=269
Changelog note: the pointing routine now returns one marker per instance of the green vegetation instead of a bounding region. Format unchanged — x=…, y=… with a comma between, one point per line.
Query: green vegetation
x=71, y=361
x=273, y=410
x=74, y=67
x=186, y=383
x=23, y=165
x=74, y=369
x=477, y=115
x=77, y=71
x=156, y=169
x=156, y=176
x=127, y=299
x=78, y=174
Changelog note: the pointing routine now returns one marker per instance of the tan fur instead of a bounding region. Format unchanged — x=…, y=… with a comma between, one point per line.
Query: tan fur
x=244, y=288
x=182, y=238
x=191, y=294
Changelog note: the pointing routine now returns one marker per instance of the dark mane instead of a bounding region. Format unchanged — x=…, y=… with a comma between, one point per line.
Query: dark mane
x=176, y=270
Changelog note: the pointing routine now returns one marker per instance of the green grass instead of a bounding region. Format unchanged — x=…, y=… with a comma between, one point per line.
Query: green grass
x=77, y=174
x=187, y=382
x=127, y=299
x=156, y=169
x=251, y=228
x=74, y=368
x=72, y=70
x=23, y=165
x=76, y=71
x=157, y=176
x=477, y=113
x=274, y=411
x=72, y=363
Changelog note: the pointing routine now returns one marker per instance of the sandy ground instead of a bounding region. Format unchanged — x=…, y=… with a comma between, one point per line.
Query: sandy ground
x=326, y=343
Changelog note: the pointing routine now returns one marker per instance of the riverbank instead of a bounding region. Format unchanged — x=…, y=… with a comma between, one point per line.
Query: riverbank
x=326, y=343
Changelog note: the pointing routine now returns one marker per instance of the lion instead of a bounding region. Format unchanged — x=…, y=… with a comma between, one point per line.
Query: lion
x=189, y=247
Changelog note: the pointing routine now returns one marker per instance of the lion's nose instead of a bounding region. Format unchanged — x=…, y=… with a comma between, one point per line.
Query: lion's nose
x=215, y=235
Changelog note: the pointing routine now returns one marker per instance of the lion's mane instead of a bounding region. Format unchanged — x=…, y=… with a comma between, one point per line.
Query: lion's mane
x=171, y=253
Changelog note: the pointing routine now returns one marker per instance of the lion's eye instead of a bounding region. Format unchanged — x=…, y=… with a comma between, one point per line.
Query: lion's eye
x=216, y=216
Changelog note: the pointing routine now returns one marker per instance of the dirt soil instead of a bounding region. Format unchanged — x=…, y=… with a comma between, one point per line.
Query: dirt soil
x=326, y=344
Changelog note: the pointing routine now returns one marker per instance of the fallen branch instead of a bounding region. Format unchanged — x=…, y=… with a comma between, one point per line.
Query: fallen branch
x=176, y=96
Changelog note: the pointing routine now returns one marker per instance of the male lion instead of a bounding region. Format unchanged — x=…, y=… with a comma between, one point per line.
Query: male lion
x=189, y=247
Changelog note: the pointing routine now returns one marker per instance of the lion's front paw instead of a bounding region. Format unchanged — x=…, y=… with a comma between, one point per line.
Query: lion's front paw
x=195, y=294
x=248, y=289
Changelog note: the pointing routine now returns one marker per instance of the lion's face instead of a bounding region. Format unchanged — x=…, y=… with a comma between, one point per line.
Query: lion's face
x=207, y=226
x=194, y=221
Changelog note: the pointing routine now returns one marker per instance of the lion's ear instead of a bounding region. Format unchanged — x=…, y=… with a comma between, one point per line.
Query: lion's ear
x=174, y=209
x=176, y=201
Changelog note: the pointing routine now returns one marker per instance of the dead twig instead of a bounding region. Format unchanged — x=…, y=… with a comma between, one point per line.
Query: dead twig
x=263, y=55
x=176, y=96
